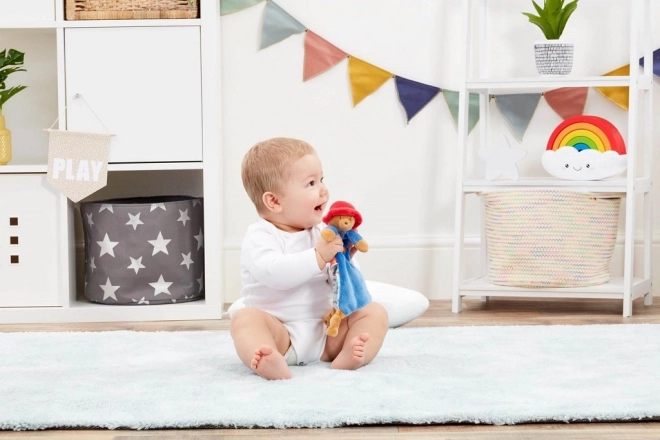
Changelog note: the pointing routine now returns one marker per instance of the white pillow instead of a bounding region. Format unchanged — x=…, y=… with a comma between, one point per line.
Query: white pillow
x=402, y=305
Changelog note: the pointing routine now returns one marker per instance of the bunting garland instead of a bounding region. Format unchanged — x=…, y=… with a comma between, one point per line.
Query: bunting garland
x=656, y=62
x=619, y=94
x=451, y=98
x=567, y=101
x=319, y=56
x=277, y=25
x=231, y=6
x=365, y=78
x=518, y=110
x=414, y=95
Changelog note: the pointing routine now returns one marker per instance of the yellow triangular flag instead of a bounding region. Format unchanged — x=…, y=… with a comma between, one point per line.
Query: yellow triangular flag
x=619, y=95
x=365, y=78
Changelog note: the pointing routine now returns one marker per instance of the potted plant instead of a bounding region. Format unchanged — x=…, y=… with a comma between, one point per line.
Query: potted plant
x=9, y=59
x=553, y=57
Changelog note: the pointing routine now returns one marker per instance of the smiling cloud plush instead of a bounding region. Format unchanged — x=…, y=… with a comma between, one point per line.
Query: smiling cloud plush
x=585, y=148
x=572, y=164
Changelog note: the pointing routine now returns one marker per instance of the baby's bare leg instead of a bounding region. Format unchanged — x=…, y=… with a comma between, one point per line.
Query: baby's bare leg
x=360, y=337
x=261, y=340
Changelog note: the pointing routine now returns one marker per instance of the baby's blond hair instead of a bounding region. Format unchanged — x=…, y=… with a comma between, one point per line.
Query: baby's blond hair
x=266, y=166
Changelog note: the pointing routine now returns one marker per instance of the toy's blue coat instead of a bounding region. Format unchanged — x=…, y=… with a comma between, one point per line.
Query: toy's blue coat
x=353, y=293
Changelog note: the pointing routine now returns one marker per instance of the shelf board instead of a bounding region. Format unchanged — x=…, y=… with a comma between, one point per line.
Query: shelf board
x=154, y=166
x=612, y=290
x=146, y=166
x=85, y=311
x=642, y=184
x=544, y=83
x=55, y=24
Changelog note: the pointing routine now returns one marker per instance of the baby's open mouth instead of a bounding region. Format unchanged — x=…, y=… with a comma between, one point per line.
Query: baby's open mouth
x=319, y=208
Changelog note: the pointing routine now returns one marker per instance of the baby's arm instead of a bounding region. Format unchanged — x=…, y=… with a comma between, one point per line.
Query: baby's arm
x=262, y=256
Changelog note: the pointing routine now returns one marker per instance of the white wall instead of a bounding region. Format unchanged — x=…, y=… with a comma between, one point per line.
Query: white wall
x=401, y=177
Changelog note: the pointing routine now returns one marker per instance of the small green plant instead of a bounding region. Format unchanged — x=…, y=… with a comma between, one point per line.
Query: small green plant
x=552, y=17
x=8, y=59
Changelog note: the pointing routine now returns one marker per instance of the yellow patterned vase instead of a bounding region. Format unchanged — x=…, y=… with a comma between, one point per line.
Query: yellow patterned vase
x=5, y=142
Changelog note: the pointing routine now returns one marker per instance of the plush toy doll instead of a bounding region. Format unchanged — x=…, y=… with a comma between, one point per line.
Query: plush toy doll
x=350, y=290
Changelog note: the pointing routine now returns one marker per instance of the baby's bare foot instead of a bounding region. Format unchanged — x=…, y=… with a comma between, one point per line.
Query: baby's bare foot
x=352, y=355
x=270, y=364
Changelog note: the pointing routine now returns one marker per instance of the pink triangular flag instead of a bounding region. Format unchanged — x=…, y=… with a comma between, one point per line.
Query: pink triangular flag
x=567, y=101
x=319, y=55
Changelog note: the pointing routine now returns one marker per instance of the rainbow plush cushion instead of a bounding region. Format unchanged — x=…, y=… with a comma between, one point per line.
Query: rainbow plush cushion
x=402, y=305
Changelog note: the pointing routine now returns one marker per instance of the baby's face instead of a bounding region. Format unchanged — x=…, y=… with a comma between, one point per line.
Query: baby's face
x=304, y=195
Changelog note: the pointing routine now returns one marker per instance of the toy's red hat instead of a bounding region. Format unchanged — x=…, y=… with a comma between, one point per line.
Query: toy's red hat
x=343, y=208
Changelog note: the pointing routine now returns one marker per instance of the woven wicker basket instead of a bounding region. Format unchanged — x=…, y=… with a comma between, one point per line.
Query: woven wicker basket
x=545, y=238
x=130, y=9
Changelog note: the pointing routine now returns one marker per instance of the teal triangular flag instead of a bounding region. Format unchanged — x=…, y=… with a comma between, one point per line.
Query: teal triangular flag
x=229, y=6
x=451, y=97
x=277, y=25
x=518, y=110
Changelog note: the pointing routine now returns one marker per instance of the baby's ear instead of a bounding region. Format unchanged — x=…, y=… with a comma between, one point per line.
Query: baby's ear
x=271, y=202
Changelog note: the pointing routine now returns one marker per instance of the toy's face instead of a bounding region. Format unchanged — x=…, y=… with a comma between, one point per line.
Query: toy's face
x=343, y=222
x=571, y=164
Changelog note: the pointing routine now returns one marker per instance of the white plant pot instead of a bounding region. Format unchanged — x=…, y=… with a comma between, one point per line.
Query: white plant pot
x=553, y=57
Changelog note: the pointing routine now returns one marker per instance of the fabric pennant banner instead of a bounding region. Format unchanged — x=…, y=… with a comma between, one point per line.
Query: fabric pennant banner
x=656, y=62
x=365, y=78
x=277, y=25
x=567, y=101
x=319, y=56
x=518, y=110
x=451, y=97
x=414, y=95
x=230, y=6
x=620, y=95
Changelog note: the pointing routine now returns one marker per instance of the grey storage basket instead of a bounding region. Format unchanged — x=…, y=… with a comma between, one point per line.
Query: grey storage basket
x=146, y=250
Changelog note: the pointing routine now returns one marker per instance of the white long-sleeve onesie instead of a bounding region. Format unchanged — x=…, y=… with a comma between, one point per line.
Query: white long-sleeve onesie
x=281, y=276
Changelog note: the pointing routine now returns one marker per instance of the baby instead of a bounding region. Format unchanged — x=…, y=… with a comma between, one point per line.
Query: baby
x=284, y=270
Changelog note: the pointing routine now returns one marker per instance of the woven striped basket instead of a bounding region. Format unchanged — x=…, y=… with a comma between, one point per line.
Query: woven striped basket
x=547, y=238
x=130, y=9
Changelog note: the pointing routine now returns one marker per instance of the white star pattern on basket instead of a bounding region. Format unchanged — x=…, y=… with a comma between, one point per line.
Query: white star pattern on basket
x=109, y=290
x=187, y=260
x=161, y=286
x=200, y=239
x=142, y=301
x=89, y=219
x=184, y=217
x=107, y=246
x=200, y=280
x=106, y=206
x=136, y=265
x=197, y=202
x=155, y=206
x=134, y=220
x=159, y=244
x=92, y=265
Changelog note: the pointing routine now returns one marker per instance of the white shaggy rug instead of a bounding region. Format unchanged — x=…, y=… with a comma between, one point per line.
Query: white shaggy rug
x=498, y=375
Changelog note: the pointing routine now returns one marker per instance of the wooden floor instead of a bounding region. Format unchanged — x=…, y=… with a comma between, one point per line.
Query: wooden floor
x=475, y=312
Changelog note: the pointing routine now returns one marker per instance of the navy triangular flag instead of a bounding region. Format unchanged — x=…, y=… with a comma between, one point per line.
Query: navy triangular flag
x=414, y=95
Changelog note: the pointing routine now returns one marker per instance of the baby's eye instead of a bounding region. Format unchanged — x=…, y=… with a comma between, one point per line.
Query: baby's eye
x=588, y=165
x=566, y=166
x=322, y=179
x=311, y=183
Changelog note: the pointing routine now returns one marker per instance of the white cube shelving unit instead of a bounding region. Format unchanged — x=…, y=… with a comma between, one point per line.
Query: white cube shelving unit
x=156, y=85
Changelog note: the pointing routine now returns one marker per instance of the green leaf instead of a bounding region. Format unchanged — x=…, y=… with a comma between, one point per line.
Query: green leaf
x=6, y=94
x=566, y=13
x=11, y=58
x=540, y=22
x=539, y=10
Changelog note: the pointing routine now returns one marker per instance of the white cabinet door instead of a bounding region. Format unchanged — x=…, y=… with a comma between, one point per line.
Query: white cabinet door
x=27, y=10
x=144, y=83
x=29, y=240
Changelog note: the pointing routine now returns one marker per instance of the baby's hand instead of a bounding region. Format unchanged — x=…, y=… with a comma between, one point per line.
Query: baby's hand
x=326, y=250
